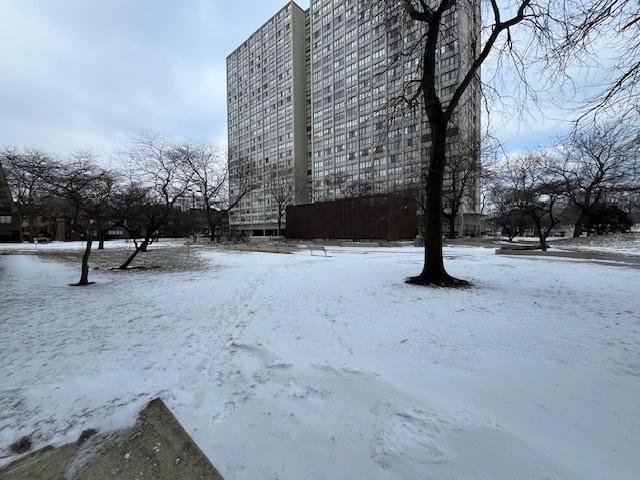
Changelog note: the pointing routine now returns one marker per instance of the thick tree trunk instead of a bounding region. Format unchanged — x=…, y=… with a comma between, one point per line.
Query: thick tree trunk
x=433, y=272
x=84, y=276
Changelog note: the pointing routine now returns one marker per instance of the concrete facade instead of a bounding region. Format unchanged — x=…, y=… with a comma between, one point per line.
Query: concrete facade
x=356, y=145
x=266, y=89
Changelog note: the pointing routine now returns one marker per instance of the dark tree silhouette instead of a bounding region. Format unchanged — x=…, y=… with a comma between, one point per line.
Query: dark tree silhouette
x=595, y=163
x=160, y=173
x=531, y=188
x=282, y=194
x=25, y=172
x=431, y=30
x=86, y=190
x=580, y=24
x=209, y=173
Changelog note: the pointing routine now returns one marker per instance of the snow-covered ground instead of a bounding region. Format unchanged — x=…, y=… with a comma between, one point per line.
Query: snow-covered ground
x=624, y=243
x=306, y=367
x=27, y=247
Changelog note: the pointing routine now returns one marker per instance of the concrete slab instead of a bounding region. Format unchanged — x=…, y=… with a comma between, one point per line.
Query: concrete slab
x=156, y=447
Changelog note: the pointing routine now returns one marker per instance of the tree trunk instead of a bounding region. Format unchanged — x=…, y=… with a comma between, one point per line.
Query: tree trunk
x=139, y=248
x=541, y=237
x=589, y=226
x=32, y=229
x=101, y=235
x=84, y=276
x=212, y=230
x=543, y=242
x=579, y=225
x=128, y=261
x=452, y=225
x=433, y=272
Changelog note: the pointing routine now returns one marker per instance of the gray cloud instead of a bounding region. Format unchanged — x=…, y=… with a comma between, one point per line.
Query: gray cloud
x=89, y=74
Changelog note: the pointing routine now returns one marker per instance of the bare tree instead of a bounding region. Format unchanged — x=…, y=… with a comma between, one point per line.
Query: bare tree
x=582, y=27
x=138, y=212
x=431, y=32
x=596, y=163
x=632, y=201
x=462, y=172
x=161, y=173
x=343, y=185
x=282, y=194
x=25, y=172
x=86, y=189
x=209, y=172
x=504, y=212
x=531, y=188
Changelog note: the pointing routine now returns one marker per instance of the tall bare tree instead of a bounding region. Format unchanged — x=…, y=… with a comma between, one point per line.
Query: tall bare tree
x=281, y=194
x=209, y=171
x=596, y=163
x=461, y=174
x=161, y=174
x=502, y=207
x=431, y=32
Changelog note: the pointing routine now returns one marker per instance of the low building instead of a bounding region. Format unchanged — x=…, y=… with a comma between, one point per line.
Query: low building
x=384, y=216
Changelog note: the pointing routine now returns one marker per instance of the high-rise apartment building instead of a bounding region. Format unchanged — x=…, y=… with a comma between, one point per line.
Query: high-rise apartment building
x=267, y=118
x=355, y=144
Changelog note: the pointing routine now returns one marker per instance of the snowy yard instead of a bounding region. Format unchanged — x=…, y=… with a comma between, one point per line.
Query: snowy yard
x=624, y=243
x=301, y=367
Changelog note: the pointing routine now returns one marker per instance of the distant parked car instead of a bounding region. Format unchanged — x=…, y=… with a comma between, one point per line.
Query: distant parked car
x=41, y=240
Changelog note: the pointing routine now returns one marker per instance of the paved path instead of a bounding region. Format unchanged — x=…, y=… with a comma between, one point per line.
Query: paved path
x=606, y=258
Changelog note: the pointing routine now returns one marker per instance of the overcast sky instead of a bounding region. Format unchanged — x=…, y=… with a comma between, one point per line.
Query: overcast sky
x=77, y=74
x=89, y=73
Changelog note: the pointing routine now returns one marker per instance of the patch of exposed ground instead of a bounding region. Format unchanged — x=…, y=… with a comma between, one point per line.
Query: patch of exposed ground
x=172, y=258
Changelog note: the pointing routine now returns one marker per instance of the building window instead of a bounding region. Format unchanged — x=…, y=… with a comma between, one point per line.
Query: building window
x=5, y=219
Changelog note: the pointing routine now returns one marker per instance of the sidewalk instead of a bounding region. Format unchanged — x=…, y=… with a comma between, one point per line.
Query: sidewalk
x=600, y=258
